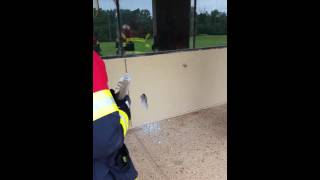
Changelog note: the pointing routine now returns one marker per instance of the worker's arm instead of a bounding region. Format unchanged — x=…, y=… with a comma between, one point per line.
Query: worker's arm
x=108, y=135
x=121, y=103
x=110, y=124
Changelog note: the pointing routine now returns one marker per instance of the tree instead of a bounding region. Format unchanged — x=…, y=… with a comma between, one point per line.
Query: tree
x=214, y=23
x=104, y=24
x=140, y=21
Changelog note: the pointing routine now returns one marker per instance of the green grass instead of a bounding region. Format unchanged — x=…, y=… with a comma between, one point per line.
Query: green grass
x=209, y=41
x=108, y=48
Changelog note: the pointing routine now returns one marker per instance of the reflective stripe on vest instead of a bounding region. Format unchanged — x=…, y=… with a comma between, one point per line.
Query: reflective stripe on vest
x=103, y=104
x=124, y=121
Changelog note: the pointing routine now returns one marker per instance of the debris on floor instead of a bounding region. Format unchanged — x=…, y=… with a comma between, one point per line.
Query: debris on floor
x=192, y=146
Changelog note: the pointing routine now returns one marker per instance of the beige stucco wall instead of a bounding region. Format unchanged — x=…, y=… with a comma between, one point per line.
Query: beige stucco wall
x=173, y=89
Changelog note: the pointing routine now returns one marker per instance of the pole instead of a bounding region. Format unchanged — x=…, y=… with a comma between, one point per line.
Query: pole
x=119, y=28
x=194, y=23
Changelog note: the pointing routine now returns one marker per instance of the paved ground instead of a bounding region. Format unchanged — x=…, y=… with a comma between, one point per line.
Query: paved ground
x=189, y=147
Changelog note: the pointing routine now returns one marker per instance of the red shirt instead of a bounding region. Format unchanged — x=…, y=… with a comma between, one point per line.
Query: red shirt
x=100, y=77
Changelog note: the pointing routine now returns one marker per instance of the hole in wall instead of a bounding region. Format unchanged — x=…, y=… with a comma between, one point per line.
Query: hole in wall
x=144, y=101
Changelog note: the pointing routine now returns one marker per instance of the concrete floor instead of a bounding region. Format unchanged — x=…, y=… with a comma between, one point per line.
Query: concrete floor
x=192, y=146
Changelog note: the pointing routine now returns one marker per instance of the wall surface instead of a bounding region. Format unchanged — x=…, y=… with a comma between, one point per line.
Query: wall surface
x=174, y=83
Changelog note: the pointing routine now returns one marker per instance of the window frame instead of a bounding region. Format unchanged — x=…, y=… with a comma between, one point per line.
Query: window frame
x=193, y=48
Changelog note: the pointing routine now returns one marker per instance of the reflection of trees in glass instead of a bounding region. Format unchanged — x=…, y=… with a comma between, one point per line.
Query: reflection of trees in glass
x=105, y=25
x=214, y=23
x=140, y=21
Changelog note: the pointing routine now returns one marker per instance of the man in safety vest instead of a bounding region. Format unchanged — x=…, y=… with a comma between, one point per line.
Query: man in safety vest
x=111, y=160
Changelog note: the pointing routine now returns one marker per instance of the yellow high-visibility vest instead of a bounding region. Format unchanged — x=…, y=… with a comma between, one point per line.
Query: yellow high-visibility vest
x=104, y=104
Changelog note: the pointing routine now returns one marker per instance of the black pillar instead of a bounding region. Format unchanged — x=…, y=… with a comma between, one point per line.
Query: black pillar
x=171, y=24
